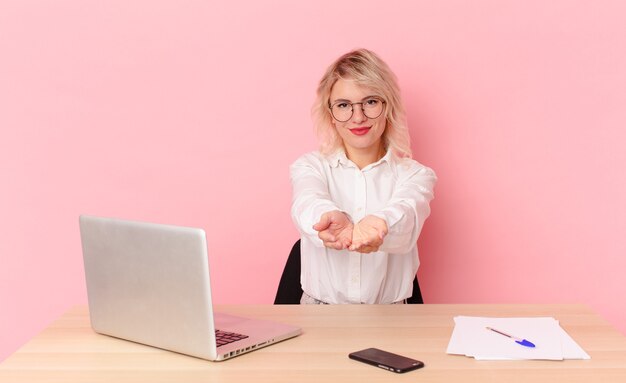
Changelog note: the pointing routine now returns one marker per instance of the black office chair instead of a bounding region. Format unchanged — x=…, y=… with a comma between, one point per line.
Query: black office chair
x=290, y=290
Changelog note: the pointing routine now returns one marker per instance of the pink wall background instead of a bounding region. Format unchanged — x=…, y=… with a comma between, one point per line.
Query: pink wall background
x=191, y=112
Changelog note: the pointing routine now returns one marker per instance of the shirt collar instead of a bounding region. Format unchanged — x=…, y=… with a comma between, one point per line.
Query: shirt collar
x=339, y=157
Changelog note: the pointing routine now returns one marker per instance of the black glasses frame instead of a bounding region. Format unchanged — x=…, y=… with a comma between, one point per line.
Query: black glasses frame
x=352, y=104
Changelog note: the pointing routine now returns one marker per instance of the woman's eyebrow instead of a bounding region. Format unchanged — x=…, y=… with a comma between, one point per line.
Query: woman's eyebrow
x=346, y=100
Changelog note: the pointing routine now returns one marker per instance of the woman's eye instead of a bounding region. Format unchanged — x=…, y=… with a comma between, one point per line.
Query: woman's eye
x=342, y=105
x=372, y=102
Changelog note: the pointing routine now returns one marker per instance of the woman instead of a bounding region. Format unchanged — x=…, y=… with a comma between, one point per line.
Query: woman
x=360, y=201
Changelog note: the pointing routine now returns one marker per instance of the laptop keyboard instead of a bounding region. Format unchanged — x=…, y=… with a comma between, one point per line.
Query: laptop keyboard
x=223, y=337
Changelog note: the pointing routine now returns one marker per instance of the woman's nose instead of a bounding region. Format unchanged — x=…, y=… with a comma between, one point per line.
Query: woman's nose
x=357, y=113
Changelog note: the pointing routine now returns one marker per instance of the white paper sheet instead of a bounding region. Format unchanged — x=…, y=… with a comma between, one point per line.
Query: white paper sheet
x=472, y=338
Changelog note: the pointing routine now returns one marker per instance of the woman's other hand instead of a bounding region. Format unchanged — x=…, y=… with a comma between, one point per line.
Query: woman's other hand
x=368, y=234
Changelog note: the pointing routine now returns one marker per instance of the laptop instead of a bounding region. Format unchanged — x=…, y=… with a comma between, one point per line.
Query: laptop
x=149, y=283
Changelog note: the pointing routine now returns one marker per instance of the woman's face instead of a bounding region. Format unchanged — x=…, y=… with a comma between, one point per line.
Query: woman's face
x=359, y=133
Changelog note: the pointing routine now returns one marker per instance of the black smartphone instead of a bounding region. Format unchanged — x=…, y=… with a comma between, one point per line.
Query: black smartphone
x=386, y=360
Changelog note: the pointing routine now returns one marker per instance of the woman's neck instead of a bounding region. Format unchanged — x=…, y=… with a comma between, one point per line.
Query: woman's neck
x=365, y=156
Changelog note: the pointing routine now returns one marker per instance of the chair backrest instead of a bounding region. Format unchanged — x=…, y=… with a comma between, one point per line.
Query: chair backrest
x=416, y=297
x=290, y=290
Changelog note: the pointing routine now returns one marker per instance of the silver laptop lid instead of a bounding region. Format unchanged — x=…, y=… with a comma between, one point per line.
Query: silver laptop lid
x=149, y=283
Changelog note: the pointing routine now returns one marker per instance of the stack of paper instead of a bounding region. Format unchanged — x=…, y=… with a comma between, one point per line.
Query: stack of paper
x=471, y=337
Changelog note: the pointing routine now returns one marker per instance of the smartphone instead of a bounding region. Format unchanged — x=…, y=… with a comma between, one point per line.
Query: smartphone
x=386, y=360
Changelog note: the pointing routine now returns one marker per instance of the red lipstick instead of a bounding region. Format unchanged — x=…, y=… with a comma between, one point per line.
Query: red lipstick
x=360, y=131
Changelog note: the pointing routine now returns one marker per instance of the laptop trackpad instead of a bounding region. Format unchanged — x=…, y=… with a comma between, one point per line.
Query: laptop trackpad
x=247, y=326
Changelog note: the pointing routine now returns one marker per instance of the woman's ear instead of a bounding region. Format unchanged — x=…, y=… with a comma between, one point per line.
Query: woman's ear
x=333, y=122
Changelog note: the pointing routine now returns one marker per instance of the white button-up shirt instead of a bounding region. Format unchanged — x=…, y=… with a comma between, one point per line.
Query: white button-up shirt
x=396, y=190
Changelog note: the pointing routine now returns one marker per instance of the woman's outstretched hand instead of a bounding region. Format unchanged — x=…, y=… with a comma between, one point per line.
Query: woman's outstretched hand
x=368, y=234
x=335, y=230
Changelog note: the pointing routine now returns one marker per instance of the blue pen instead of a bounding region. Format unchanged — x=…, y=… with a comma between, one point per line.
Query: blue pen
x=517, y=340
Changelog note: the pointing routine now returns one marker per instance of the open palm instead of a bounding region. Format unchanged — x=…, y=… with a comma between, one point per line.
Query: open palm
x=335, y=230
x=368, y=234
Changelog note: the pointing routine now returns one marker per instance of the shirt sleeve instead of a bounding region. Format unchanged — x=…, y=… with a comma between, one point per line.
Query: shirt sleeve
x=408, y=208
x=311, y=198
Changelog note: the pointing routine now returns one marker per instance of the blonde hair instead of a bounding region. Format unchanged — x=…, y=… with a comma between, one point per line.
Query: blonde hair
x=366, y=69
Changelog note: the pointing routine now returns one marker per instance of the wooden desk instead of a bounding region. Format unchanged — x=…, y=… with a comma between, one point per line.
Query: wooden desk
x=69, y=351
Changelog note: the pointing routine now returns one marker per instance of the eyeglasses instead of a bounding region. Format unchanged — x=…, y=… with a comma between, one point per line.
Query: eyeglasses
x=372, y=107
